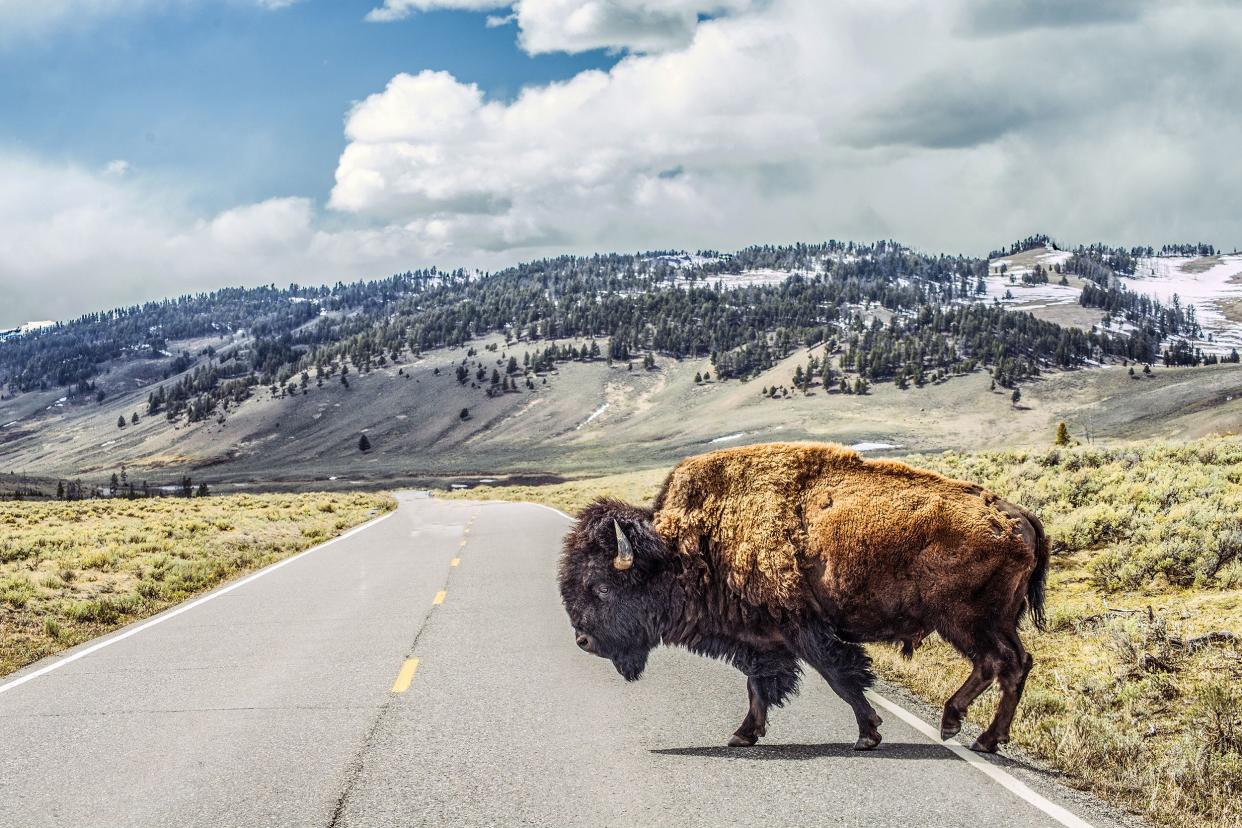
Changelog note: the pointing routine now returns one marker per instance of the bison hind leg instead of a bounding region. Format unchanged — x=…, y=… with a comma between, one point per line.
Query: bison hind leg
x=1016, y=665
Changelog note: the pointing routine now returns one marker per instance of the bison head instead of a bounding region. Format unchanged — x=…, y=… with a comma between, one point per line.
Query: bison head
x=610, y=584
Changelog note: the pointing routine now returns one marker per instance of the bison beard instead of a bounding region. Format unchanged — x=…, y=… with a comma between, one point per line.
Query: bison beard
x=774, y=555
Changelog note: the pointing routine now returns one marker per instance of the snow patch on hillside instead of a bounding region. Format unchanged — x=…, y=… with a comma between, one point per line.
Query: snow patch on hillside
x=758, y=277
x=1028, y=296
x=1162, y=277
x=594, y=414
x=728, y=437
x=865, y=446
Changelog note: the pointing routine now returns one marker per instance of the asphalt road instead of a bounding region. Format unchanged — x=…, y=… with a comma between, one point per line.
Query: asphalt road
x=293, y=699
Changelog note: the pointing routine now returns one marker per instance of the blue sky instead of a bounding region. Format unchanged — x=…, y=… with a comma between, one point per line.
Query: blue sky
x=155, y=147
x=237, y=102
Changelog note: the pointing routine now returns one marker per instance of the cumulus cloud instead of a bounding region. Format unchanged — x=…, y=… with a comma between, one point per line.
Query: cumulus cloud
x=800, y=119
x=74, y=240
x=581, y=25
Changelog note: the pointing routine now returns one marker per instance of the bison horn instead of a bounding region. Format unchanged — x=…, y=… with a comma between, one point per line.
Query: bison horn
x=625, y=552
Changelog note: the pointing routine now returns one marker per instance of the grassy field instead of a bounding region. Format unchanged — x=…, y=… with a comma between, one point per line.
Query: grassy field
x=70, y=571
x=1135, y=693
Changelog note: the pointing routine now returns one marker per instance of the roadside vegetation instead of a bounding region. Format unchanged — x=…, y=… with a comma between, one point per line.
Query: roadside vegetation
x=1137, y=689
x=573, y=495
x=70, y=571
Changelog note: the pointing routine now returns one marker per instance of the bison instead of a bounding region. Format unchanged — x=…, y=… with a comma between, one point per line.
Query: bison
x=770, y=556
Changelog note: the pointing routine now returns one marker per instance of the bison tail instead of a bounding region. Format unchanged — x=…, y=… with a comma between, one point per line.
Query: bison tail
x=1039, y=576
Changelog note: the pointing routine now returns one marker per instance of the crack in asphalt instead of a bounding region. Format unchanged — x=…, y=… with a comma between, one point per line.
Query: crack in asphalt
x=354, y=767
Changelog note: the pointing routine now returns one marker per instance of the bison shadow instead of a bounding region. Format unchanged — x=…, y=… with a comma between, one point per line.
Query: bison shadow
x=803, y=752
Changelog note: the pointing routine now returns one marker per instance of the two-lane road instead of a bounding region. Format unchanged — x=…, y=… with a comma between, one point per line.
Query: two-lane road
x=420, y=671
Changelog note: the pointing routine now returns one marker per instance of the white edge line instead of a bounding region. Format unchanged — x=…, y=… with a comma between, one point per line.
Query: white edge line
x=998, y=775
x=569, y=518
x=552, y=509
x=111, y=639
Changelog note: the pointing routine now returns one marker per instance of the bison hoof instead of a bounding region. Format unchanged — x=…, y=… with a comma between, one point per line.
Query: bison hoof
x=740, y=740
x=982, y=745
x=867, y=742
x=948, y=730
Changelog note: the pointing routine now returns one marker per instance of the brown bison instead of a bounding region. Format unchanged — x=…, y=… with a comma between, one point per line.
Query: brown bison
x=770, y=555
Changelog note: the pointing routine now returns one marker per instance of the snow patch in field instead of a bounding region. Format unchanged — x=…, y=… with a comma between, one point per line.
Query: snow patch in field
x=864, y=446
x=594, y=414
x=728, y=437
x=6, y=425
x=109, y=443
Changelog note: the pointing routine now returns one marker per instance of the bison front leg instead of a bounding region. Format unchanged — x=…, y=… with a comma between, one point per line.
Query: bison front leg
x=768, y=683
x=847, y=669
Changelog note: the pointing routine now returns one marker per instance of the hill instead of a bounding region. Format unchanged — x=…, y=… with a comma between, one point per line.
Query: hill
x=584, y=365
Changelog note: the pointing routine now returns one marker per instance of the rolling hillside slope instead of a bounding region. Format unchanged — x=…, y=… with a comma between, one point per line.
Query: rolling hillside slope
x=545, y=369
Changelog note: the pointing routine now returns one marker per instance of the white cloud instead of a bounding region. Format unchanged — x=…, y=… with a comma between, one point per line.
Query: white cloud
x=20, y=19
x=401, y=9
x=795, y=119
x=118, y=168
x=73, y=240
x=581, y=25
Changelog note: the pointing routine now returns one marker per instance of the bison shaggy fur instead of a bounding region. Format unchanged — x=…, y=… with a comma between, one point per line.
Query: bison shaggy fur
x=777, y=555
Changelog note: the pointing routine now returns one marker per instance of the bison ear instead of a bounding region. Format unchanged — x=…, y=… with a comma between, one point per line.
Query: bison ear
x=625, y=552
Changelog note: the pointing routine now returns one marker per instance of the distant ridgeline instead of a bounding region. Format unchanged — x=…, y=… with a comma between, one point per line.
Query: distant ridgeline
x=892, y=314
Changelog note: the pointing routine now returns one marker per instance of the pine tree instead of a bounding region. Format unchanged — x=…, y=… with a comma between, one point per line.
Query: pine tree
x=202, y=490
x=1016, y=397
x=120, y=422
x=464, y=415
x=134, y=419
x=364, y=444
x=1063, y=435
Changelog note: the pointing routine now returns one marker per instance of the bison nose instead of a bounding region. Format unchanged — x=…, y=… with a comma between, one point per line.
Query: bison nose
x=585, y=642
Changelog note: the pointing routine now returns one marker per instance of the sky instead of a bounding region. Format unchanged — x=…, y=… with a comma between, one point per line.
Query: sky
x=155, y=147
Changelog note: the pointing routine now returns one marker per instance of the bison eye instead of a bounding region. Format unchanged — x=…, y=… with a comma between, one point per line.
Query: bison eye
x=601, y=589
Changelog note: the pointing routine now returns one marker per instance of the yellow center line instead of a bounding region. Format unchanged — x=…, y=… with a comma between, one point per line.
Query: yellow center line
x=439, y=599
x=405, y=676
x=455, y=562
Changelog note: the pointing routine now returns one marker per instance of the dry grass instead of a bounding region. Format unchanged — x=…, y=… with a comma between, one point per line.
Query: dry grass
x=572, y=496
x=1121, y=699
x=70, y=571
